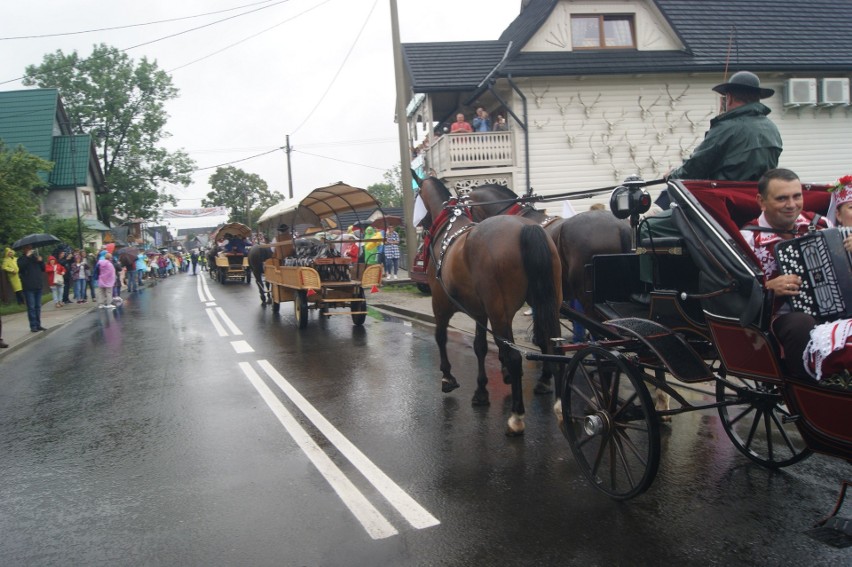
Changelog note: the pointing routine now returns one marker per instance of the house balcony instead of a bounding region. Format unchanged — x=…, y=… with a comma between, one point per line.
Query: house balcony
x=464, y=154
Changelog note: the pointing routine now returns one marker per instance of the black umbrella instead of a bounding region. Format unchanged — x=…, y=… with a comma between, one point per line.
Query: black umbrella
x=35, y=240
x=128, y=250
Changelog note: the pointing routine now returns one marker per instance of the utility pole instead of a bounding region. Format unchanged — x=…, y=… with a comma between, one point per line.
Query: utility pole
x=74, y=182
x=402, y=127
x=287, y=150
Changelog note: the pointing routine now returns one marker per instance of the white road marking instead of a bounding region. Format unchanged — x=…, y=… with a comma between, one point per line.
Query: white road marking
x=377, y=526
x=413, y=512
x=241, y=347
x=219, y=328
x=234, y=329
x=202, y=283
x=211, y=304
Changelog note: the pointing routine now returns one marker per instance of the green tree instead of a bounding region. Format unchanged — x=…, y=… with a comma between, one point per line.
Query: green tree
x=20, y=206
x=122, y=104
x=388, y=193
x=66, y=230
x=245, y=194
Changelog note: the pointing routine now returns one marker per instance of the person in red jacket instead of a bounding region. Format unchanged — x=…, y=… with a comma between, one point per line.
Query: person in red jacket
x=55, y=279
x=460, y=125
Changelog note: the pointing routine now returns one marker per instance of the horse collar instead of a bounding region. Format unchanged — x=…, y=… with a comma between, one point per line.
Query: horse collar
x=444, y=223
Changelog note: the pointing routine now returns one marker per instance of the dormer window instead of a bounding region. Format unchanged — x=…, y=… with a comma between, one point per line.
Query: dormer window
x=603, y=31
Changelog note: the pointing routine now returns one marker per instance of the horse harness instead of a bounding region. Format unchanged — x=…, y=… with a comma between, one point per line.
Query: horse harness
x=518, y=210
x=453, y=210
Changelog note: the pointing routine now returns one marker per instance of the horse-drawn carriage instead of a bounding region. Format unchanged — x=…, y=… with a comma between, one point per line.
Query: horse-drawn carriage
x=308, y=264
x=668, y=314
x=706, y=320
x=231, y=263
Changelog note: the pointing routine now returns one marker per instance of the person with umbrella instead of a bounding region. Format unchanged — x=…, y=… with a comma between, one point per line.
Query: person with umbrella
x=31, y=269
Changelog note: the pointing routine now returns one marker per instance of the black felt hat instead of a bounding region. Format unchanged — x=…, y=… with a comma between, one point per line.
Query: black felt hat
x=744, y=81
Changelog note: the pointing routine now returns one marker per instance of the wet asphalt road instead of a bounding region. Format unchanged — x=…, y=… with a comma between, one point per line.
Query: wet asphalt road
x=182, y=431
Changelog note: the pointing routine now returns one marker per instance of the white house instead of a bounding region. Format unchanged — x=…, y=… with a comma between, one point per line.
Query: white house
x=595, y=90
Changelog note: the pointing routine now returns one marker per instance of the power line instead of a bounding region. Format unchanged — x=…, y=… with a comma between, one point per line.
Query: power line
x=246, y=38
x=340, y=160
x=61, y=34
x=236, y=160
x=167, y=36
x=342, y=64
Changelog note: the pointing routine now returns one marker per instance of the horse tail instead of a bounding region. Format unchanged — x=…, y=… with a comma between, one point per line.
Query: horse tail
x=542, y=295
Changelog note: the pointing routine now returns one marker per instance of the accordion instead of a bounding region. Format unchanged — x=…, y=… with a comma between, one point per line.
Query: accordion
x=826, y=271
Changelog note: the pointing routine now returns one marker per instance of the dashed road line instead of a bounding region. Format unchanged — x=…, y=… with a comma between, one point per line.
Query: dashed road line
x=234, y=329
x=241, y=347
x=216, y=324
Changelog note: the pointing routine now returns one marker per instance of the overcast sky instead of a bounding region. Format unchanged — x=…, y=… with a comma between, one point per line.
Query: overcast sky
x=311, y=75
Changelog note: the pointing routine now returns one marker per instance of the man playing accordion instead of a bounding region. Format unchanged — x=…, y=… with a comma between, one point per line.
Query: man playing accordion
x=782, y=218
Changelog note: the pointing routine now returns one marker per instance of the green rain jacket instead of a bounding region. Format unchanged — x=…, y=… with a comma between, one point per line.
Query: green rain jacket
x=740, y=145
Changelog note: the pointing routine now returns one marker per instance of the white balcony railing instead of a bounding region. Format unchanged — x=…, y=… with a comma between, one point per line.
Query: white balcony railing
x=465, y=151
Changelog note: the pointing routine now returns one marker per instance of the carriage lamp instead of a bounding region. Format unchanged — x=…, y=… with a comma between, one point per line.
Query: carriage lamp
x=630, y=198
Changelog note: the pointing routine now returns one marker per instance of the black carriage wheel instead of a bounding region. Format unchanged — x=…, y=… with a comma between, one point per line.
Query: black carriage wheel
x=756, y=422
x=610, y=423
x=276, y=307
x=222, y=277
x=358, y=319
x=300, y=303
x=248, y=277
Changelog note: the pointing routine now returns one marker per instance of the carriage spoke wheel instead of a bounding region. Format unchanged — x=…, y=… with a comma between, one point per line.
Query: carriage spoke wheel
x=611, y=423
x=300, y=303
x=756, y=424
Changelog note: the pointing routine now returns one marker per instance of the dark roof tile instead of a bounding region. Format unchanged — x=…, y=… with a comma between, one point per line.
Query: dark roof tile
x=760, y=35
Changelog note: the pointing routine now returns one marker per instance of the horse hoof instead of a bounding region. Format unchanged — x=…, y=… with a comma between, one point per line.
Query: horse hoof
x=665, y=419
x=542, y=388
x=480, y=400
x=515, y=427
x=447, y=386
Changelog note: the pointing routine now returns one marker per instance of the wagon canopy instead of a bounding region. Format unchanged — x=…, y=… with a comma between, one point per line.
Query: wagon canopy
x=326, y=207
x=235, y=229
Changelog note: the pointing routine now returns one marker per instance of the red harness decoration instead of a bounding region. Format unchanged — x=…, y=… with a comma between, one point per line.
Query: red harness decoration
x=438, y=225
x=515, y=209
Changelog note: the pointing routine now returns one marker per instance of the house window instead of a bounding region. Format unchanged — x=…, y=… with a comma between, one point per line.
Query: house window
x=87, y=201
x=605, y=31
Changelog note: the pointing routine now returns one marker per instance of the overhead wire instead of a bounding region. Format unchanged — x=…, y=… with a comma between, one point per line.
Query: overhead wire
x=128, y=26
x=337, y=74
x=171, y=35
x=245, y=39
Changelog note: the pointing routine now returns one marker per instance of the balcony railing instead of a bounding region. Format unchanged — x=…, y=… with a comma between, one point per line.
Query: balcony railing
x=471, y=150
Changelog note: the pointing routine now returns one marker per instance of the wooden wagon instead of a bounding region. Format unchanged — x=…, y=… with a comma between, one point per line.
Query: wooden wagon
x=232, y=265
x=309, y=266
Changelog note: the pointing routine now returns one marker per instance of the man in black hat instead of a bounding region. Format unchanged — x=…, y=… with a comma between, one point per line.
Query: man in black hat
x=742, y=143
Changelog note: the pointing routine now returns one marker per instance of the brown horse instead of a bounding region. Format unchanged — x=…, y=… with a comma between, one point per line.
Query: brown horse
x=257, y=255
x=578, y=239
x=487, y=270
